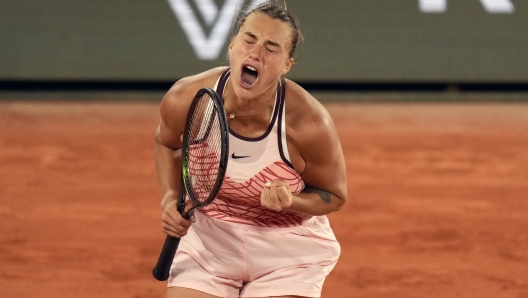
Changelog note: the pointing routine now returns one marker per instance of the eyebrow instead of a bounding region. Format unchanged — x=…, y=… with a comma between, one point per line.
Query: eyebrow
x=270, y=42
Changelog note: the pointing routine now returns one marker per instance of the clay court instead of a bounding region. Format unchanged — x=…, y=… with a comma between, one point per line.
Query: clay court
x=438, y=200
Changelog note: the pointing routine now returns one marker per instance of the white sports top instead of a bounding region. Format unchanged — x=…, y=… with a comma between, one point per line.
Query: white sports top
x=252, y=163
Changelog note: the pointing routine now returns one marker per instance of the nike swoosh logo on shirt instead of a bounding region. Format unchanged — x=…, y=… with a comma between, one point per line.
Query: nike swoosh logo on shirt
x=233, y=156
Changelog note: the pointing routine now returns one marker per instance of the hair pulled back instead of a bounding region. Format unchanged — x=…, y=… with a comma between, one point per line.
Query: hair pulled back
x=276, y=11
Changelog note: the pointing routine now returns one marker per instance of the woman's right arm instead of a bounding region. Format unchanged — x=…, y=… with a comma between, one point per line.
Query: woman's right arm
x=173, y=111
x=168, y=159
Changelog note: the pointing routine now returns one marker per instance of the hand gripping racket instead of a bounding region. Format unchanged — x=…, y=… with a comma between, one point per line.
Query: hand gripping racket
x=205, y=150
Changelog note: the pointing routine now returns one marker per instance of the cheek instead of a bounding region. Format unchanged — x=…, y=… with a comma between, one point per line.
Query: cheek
x=271, y=73
x=278, y=65
x=235, y=53
x=238, y=52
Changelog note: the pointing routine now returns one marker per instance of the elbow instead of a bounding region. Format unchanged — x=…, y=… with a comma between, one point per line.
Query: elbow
x=339, y=202
x=157, y=135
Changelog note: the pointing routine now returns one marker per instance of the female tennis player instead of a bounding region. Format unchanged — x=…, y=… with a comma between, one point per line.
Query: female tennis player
x=266, y=233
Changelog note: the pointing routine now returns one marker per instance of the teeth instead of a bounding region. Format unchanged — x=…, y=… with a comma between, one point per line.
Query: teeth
x=251, y=68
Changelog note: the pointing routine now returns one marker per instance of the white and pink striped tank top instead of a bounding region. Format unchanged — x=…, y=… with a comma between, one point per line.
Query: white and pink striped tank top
x=252, y=163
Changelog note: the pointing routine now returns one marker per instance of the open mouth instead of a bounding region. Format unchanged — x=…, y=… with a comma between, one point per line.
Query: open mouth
x=249, y=75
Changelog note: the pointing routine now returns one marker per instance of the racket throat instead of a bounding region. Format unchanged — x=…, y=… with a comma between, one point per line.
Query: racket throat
x=181, y=205
x=189, y=214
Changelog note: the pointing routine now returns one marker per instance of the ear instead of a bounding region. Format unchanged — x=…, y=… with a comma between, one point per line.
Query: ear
x=288, y=66
x=231, y=45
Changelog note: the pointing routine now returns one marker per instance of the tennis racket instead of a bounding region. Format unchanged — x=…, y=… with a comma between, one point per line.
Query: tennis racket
x=205, y=150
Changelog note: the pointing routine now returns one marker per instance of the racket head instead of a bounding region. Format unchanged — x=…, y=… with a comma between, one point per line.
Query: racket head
x=205, y=149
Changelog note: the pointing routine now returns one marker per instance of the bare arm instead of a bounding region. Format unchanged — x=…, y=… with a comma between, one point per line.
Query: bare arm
x=321, y=161
x=325, y=171
x=173, y=112
x=168, y=163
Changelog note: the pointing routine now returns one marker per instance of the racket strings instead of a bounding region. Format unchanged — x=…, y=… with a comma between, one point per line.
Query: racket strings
x=205, y=147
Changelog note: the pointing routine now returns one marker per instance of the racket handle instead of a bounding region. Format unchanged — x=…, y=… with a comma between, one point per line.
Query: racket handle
x=162, y=269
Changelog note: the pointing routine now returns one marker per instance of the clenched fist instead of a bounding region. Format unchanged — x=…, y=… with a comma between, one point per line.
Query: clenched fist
x=276, y=195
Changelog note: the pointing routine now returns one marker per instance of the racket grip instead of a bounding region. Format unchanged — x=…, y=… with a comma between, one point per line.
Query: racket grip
x=162, y=269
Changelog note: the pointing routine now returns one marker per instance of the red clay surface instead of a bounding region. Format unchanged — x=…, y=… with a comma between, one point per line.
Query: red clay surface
x=438, y=200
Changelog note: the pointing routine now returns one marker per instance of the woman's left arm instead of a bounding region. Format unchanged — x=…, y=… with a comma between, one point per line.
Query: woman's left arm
x=324, y=169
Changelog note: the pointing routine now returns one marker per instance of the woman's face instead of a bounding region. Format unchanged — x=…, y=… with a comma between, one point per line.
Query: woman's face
x=259, y=55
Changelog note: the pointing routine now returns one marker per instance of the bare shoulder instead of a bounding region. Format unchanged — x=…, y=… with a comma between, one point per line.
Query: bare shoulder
x=305, y=114
x=175, y=104
x=177, y=100
x=313, y=142
x=314, y=146
x=311, y=133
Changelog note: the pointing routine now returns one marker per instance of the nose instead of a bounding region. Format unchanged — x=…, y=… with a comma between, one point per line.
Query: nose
x=256, y=52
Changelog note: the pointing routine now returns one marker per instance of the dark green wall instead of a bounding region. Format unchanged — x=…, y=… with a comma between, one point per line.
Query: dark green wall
x=345, y=41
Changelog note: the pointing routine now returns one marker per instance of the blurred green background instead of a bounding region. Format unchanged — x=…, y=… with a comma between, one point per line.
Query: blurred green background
x=147, y=45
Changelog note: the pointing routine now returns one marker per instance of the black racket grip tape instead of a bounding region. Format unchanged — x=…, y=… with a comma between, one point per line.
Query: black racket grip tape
x=162, y=269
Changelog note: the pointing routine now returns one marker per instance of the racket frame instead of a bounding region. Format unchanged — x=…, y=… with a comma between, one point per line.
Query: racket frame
x=162, y=269
x=224, y=156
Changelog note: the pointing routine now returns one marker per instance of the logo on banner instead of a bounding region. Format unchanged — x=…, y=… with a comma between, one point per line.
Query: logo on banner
x=491, y=6
x=210, y=39
x=217, y=19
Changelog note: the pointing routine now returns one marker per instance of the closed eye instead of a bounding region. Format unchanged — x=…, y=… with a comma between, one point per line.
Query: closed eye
x=251, y=38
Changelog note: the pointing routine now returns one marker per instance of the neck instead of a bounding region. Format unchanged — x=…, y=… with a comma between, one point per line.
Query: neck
x=234, y=107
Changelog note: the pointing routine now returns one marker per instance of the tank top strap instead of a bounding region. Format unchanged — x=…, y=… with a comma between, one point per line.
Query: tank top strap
x=221, y=82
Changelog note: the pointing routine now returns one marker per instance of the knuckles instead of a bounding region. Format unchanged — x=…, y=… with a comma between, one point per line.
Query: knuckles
x=276, y=198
